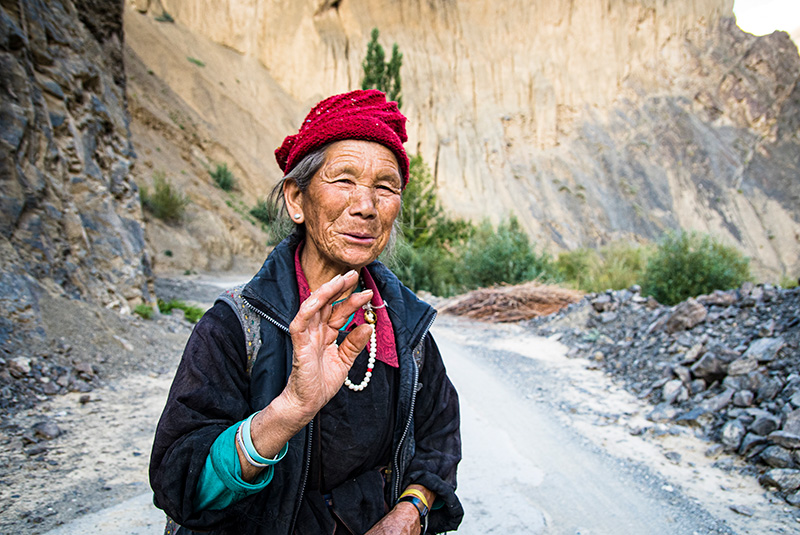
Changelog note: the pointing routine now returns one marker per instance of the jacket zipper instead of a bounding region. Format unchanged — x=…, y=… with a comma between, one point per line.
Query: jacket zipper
x=396, y=472
x=310, y=434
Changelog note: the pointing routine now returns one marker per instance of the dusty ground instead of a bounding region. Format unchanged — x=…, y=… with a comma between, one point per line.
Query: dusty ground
x=592, y=452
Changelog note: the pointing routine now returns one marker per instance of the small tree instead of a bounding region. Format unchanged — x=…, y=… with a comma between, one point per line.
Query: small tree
x=380, y=74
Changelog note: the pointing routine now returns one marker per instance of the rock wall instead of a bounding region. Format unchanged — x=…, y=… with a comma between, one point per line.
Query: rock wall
x=591, y=120
x=71, y=220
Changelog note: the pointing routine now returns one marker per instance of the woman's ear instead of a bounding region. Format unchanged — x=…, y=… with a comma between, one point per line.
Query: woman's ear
x=294, y=201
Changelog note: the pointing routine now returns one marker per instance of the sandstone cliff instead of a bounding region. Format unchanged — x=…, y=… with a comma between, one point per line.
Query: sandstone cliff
x=71, y=221
x=590, y=120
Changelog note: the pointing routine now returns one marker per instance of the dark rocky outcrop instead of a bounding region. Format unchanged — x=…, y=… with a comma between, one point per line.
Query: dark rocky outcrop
x=730, y=371
x=71, y=219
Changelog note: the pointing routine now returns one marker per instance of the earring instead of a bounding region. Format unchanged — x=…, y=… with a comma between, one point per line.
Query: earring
x=298, y=216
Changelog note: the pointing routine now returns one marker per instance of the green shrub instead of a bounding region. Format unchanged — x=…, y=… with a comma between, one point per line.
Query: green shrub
x=223, y=177
x=614, y=266
x=504, y=255
x=788, y=282
x=430, y=268
x=688, y=264
x=145, y=311
x=191, y=313
x=165, y=203
x=164, y=17
x=273, y=221
x=381, y=74
x=196, y=61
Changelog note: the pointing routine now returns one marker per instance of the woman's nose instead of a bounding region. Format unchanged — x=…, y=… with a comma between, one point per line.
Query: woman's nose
x=363, y=202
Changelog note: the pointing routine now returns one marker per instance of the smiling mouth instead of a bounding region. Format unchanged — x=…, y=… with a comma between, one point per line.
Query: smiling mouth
x=360, y=238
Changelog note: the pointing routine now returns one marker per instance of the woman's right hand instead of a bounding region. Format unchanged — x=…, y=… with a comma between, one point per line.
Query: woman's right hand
x=319, y=365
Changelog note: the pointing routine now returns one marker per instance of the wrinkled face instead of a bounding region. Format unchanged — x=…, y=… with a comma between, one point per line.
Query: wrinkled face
x=350, y=205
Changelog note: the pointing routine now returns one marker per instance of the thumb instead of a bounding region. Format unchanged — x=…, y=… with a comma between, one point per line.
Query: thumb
x=355, y=341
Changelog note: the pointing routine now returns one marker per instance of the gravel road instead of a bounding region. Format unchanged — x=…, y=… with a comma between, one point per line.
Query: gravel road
x=550, y=446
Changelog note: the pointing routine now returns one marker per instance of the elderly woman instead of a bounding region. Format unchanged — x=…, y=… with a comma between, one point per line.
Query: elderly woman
x=313, y=400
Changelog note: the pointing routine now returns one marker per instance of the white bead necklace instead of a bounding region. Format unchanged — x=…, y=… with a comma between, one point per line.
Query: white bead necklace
x=371, y=319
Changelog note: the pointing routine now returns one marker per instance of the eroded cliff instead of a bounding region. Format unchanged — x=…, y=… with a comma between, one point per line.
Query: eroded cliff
x=71, y=221
x=588, y=120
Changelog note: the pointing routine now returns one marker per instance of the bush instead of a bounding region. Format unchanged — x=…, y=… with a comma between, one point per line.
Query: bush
x=166, y=203
x=277, y=226
x=191, y=313
x=223, y=177
x=688, y=264
x=503, y=255
x=145, y=311
x=614, y=266
x=430, y=268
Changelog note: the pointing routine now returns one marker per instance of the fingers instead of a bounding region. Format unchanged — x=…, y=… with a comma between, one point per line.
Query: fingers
x=354, y=343
x=323, y=297
x=342, y=311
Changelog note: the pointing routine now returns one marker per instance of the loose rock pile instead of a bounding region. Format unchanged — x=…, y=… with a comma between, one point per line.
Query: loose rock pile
x=726, y=364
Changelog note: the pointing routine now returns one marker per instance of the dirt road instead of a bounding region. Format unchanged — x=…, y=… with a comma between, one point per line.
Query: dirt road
x=549, y=447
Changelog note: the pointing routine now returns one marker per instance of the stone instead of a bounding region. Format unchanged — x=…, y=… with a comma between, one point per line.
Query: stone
x=697, y=386
x=714, y=451
x=792, y=423
x=710, y=366
x=85, y=370
x=769, y=389
x=787, y=440
x=671, y=390
x=718, y=402
x=19, y=367
x=793, y=499
x=764, y=425
x=686, y=315
x=696, y=417
x=47, y=429
x=683, y=373
x=693, y=354
x=731, y=435
x=742, y=510
x=784, y=479
x=777, y=457
x=743, y=398
x=718, y=298
x=765, y=349
x=750, y=441
x=663, y=412
x=742, y=366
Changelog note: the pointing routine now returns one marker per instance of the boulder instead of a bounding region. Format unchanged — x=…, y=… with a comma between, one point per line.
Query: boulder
x=686, y=315
x=732, y=434
x=784, y=479
x=764, y=349
x=777, y=457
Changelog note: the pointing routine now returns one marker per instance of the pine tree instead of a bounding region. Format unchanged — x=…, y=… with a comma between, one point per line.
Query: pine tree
x=380, y=74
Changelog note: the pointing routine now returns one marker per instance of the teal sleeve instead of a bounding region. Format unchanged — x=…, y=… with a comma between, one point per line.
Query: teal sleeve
x=221, y=482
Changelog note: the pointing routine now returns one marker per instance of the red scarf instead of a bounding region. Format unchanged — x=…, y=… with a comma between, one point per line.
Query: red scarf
x=386, y=350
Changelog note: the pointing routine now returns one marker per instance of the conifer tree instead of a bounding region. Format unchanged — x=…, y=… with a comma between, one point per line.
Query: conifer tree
x=380, y=74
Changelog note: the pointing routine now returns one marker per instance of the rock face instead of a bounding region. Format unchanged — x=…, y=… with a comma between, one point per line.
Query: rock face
x=71, y=220
x=589, y=120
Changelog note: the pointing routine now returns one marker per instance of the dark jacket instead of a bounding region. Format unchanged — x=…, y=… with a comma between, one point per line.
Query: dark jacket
x=212, y=391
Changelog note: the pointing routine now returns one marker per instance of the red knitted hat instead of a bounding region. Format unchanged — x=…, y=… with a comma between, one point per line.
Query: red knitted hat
x=361, y=114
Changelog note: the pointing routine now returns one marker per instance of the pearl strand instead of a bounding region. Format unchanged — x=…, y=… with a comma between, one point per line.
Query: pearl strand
x=370, y=318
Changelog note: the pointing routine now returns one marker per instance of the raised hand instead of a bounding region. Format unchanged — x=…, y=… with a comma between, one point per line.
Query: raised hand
x=319, y=366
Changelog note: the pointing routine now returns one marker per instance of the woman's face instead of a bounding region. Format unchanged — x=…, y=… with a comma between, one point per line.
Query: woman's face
x=350, y=205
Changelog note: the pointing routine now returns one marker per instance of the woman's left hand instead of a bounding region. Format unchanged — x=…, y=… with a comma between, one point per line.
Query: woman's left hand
x=402, y=520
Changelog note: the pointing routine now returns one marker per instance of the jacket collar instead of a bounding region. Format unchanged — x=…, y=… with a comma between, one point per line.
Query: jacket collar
x=274, y=291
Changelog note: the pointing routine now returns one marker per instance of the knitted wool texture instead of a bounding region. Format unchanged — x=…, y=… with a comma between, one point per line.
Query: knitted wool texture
x=361, y=114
